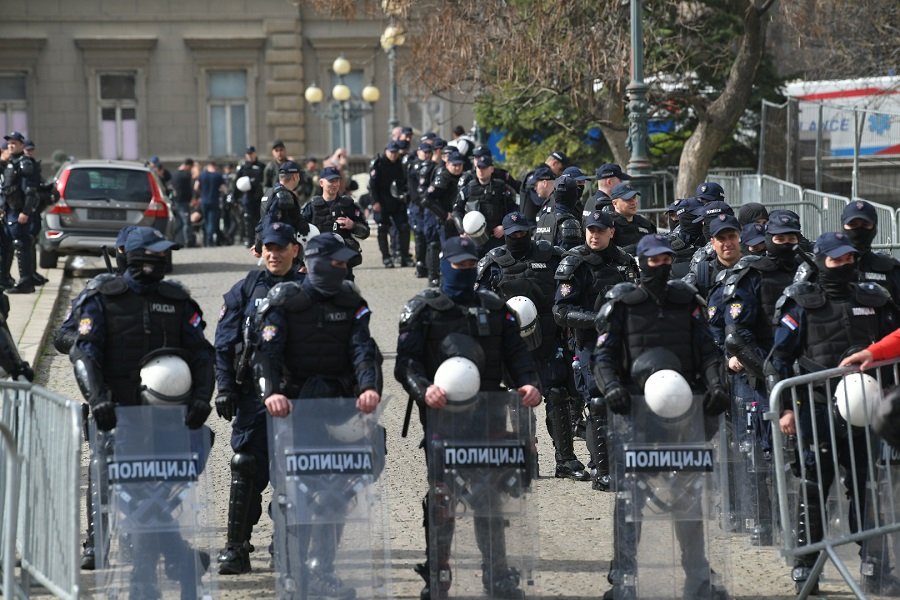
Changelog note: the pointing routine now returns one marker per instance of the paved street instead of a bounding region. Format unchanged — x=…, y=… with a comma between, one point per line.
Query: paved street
x=574, y=522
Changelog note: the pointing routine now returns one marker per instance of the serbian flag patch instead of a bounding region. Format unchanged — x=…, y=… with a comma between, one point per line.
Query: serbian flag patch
x=363, y=311
x=195, y=319
x=790, y=322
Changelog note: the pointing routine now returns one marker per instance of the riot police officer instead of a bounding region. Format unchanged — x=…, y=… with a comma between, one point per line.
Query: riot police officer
x=584, y=276
x=416, y=212
x=459, y=321
x=558, y=222
x=252, y=169
x=710, y=191
x=630, y=226
x=638, y=320
x=491, y=197
x=270, y=174
x=608, y=176
x=724, y=232
x=21, y=179
x=315, y=343
x=687, y=236
x=122, y=322
x=11, y=362
x=498, y=173
x=818, y=324
x=387, y=187
x=337, y=213
x=236, y=337
x=283, y=205
x=438, y=200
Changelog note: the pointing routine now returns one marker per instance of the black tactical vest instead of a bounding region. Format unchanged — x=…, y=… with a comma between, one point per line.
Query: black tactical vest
x=488, y=200
x=837, y=327
x=649, y=325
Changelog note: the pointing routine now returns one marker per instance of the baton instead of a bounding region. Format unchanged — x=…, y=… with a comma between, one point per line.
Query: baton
x=407, y=417
x=105, y=251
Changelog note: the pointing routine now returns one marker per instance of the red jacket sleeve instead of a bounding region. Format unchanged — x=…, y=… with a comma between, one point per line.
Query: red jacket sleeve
x=887, y=347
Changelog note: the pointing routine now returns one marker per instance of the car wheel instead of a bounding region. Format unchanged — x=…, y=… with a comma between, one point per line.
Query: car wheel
x=47, y=259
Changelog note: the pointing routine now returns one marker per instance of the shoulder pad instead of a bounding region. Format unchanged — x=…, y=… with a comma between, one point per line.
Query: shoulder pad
x=544, y=249
x=436, y=299
x=871, y=294
x=482, y=265
x=680, y=292
x=490, y=300
x=348, y=296
x=722, y=275
x=677, y=242
x=113, y=287
x=411, y=310
x=806, y=294
x=734, y=277
x=627, y=292
x=881, y=262
x=282, y=292
x=804, y=272
x=567, y=267
x=501, y=256
x=95, y=282
x=173, y=289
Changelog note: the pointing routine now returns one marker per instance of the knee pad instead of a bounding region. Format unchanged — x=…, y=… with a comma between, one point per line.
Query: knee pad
x=243, y=464
x=597, y=408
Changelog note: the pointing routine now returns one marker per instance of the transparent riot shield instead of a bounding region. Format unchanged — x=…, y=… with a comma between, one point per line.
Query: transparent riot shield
x=329, y=509
x=150, y=500
x=482, y=535
x=664, y=470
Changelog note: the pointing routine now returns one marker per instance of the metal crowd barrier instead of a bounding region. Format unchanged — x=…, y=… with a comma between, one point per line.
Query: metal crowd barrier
x=46, y=428
x=859, y=464
x=9, y=502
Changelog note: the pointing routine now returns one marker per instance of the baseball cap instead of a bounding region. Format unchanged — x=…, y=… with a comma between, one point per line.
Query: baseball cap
x=425, y=147
x=484, y=161
x=560, y=157
x=457, y=249
x=722, y=222
x=392, y=146
x=482, y=151
x=250, y=149
x=711, y=209
x=709, y=191
x=437, y=142
x=123, y=235
x=153, y=159
x=859, y=209
x=612, y=170
x=29, y=145
x=289, y=166
x=428, y=135
x=15, y=135
x=406, y=131
x=330, y=246
x=653, y=244
x=753, y=234
x=576, y=173
x=623, y=191
x=685, y=206
x=277, y=144
x=455, y=158
x=543, y=173
x=598, y=218
x=515, y=221
x=329, y=174
x=783, y=221
x=833, y=244
x=147, y=238
x=279, y=233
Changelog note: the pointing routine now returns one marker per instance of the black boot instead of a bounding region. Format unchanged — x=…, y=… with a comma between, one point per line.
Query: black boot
x=433, y=264
x=560, y=426
x=235, y=558
x=597, y=446
x=25, y=285
x=809, y=531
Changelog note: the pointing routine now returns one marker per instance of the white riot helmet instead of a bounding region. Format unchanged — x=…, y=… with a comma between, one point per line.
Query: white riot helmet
x=460, y=380
x=856, y=396
x=475, y=226
x=529, y=325
x=243, y=184
x=667, y=394
x=303, y=239
x=165, y=379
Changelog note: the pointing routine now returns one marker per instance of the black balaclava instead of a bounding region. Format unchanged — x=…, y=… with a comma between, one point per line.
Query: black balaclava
x=324, y=277
x=836, y=280
x=751, y=212
x=121, y=263
x=691, y=229
x=783, y=254
x=654, y=279
x=861, y=238
x=145, y=268
x=518, y=247
x=567, y=193
x=458, y=284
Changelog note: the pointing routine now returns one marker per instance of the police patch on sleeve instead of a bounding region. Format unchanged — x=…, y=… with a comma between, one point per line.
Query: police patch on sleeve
x=222, y=311
x=268, y=332
x=734, y=309
x=711, y=312
x=85, y=326
x=601, y=338
x=565, y=289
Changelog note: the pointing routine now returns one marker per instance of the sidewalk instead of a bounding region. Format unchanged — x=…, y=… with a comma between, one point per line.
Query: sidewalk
x=30, y=315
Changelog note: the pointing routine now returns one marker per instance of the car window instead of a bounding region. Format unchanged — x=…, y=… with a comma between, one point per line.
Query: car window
x=125, y=185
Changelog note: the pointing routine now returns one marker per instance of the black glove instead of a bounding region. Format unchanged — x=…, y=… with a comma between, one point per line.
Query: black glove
x=24, y=370
x=619, y=400
x=716, y=400
x=104, y=415
x=225, y=405
x=196, y=414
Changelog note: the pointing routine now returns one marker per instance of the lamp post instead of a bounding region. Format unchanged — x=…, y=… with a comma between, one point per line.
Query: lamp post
x=344, y=108
x=393, y=37
x=638, y=108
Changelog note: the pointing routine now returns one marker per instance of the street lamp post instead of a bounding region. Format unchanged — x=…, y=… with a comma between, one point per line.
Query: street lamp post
x=344, y=108
x=392, y=37
x=638, y=107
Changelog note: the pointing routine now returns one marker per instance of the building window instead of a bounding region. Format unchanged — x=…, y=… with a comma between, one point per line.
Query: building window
x=13, y=109
x=118, y=116
x=354, y=129
x=227, y=112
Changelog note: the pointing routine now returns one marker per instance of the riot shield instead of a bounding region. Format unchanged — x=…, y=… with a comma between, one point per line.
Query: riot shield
x=482, y=535
x=329, y=510
x=149, y=499
x=664, y=470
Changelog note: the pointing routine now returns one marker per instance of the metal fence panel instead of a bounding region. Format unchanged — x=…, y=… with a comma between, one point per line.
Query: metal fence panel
x=831, y=207
x=47, y=429
x=9, y=501
x=887, y=226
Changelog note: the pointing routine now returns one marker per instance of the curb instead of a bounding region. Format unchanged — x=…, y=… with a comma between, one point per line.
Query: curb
x=30, y=315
